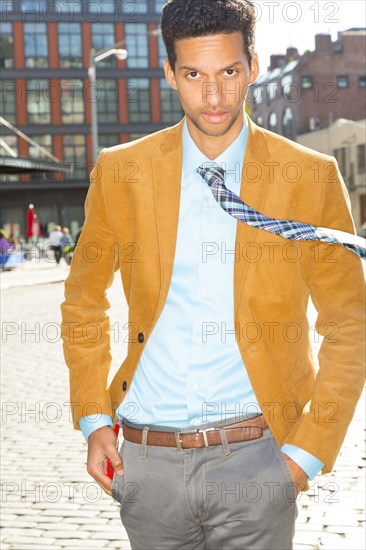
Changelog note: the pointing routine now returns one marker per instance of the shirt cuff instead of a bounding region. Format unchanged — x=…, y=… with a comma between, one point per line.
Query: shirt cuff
x=308, y=462
x=89, y=424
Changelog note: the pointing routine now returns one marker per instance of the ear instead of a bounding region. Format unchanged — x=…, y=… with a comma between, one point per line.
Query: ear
x=254, y=70
x=169, y=74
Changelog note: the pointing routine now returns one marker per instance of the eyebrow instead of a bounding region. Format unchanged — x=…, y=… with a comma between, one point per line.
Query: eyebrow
x=188, y=68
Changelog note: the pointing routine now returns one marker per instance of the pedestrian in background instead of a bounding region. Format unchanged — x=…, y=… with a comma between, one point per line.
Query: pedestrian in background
x=67, y=245
x=66, y=239
x=5, y=243
x=54, y=241
x=36, y=230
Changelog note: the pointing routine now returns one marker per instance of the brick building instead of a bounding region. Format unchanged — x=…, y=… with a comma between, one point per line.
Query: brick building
x=45, y=47
x=305, y=93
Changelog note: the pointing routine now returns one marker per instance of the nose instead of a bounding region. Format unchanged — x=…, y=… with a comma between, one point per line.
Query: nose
x=211, y=93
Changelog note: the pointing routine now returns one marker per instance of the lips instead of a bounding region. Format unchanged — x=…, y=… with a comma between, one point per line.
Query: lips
x=214, y=117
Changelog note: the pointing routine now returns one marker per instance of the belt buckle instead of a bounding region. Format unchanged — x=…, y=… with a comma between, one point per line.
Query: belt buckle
x=205, y=434
x=178, y=441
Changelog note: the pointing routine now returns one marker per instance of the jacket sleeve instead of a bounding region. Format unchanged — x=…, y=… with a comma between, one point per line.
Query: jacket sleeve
x=338, y=293
x=85, y=328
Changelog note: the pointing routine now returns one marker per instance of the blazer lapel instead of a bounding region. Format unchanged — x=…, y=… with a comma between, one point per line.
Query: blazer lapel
x=167, y=173
x=253, y=190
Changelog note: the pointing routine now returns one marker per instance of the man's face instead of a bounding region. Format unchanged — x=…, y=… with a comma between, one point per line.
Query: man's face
x=212, y=76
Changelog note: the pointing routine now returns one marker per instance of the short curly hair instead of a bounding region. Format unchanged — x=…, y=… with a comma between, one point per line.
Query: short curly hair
x=190, y=18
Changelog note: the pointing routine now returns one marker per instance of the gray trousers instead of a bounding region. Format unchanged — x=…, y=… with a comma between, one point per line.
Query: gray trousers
x=225, y=497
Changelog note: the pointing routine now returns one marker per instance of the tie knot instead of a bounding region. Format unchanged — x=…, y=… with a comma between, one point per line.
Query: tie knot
x=212, y=174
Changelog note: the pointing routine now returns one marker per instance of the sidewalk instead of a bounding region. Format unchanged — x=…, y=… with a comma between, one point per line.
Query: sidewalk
x=34, y=272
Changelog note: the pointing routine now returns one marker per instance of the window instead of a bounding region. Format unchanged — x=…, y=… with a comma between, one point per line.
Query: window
x=340, y=155
x=72, y=104
x=361, y=154
x=362, y=81
x=44, y=141
x=127, y=10
x=102, y=39
x=343, y=160
x=35, y=45
x=314, y=124
x=272, y=122
x=342, y=82
x=96, y=6
x=11, y=142
x=272, y=90
x=6, y=6
x=287, y=123
x=68, y=6
x=137, y=45
x=162, y=51
x=34, y=5
x=171, y=110
x=107, y=103
x=6, y=46
x=107, y=140
x=257, y=92
x=363, y=211
x=69, y=44
x=159, y=5
x=75, y=154
x=136, y=135
x=131, y=7
x=8, y=100
x=138, y=96
x=286, y=85
x=307, y=82
x=38, y=102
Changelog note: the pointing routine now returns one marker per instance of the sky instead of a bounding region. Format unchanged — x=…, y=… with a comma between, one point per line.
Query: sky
x=283, y=23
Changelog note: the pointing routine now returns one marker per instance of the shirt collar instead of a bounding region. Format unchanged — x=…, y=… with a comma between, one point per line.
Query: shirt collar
x=193, y=157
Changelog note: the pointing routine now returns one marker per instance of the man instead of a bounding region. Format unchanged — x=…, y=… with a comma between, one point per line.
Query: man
x=224, y=414
x=54, y=240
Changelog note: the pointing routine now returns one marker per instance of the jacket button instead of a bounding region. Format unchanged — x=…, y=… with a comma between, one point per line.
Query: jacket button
x=124, y=386
x=140, y=337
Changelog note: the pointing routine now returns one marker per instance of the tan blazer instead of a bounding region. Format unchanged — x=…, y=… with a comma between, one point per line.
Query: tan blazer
x=131, y=221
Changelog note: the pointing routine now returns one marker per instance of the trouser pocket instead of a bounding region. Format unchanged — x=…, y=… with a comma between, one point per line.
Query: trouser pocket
x=291, y=489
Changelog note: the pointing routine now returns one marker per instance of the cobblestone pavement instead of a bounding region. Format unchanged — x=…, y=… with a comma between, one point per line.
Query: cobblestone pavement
x=48, y=498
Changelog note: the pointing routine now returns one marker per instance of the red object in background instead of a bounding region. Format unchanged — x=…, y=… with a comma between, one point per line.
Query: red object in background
x=110, y=470
x=36, y=227
x=30, y=216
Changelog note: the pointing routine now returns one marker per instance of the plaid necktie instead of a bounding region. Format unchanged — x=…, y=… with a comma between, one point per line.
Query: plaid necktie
x=214, y=176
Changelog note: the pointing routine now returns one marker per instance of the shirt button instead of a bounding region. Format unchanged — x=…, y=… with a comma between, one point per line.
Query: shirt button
x=140, y=337
x=124, y=386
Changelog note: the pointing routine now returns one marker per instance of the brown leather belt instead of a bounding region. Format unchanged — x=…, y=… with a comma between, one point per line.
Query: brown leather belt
x=239, y=431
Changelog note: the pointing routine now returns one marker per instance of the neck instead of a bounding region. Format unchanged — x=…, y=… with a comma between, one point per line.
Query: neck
x=213, y=146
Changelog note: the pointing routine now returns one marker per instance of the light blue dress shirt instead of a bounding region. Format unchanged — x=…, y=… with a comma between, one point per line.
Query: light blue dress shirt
x=191, y=370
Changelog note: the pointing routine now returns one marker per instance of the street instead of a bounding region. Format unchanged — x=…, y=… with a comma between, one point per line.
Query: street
x=48, y=498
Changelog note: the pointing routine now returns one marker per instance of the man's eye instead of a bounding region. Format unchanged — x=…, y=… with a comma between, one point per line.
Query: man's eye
x=231, y=71
x=192, y=74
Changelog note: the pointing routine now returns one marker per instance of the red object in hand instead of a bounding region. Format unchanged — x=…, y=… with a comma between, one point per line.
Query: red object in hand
x=110, y=469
